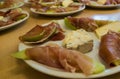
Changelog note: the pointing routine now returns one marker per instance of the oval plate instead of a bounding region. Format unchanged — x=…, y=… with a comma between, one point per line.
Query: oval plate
x=63, y=74
x=59, y=14
x=15, y=23
x=104, y=6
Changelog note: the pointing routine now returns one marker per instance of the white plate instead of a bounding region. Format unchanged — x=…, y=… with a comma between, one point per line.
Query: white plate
x=111, y=17
x=104, y=6
x=15, y=23
x=20, y=4
x=59, y=14
x=62, y=74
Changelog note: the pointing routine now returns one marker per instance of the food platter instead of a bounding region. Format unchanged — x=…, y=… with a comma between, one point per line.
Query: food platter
x=15, y=23
x=17, y=5
x=63, y=74
x=59, y=14
x=27, y=2
x=104, y=6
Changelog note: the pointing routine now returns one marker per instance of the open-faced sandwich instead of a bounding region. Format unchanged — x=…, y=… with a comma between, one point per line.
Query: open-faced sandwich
x=79, y=40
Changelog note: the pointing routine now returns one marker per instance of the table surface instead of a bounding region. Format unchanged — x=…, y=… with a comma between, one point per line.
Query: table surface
x=11, y=68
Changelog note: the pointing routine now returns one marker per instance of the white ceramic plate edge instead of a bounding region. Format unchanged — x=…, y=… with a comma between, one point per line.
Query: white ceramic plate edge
x=62, y=74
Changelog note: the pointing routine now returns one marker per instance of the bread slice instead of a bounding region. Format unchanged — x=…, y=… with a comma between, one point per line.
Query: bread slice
x=79, y=40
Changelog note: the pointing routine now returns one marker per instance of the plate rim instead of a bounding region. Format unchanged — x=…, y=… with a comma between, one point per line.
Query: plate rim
x=62, y=74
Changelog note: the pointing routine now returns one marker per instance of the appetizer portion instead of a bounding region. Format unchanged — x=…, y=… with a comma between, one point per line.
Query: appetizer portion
x=11, y=16
x=102, y=2
x=57, y=7
x=58, y=57
x=10, y=3
x=40, y=1
x=40, y=34
x=110, y=48
x=86, y=23
x=79, y=40
x=114, y=26
x=47, y=0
